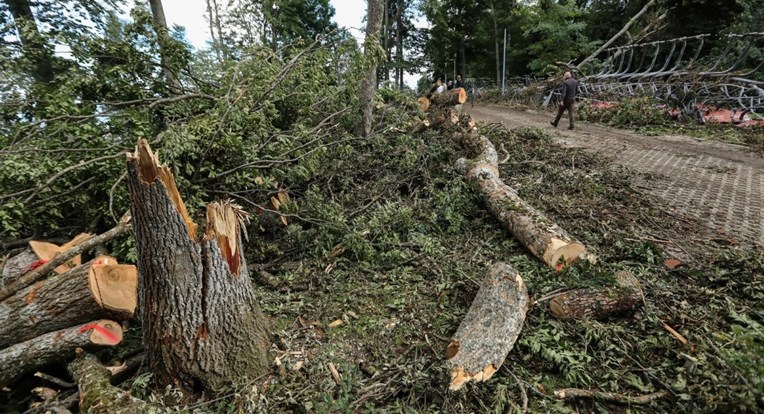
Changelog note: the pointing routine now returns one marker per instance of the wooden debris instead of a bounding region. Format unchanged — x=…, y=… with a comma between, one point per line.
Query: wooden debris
x=25, y=357
x=335, y=374
x=572, y=393
x=88, y=292
x=624, y=296
x=674, y=333
x=544, y=238
x=490, y=328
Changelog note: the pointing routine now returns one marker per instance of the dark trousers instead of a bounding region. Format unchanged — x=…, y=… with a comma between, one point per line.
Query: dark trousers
x=568, y=104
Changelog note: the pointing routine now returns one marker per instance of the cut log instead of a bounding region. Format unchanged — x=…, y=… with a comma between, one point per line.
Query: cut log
x=456, y=96
x=98, y=396
x=490, y=328
x=202, y=327
x=26, y=280
x=37, y=254
x=27, y=356
x=544, y=238
x=424, y=103
x=421, y=126
x=95, y=290
x=624, y=296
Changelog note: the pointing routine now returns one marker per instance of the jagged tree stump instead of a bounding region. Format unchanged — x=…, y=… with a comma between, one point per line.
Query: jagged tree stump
x=60, y=345
x=624, y=296
x=88, y=292
x=490, y=327
x=202, y=328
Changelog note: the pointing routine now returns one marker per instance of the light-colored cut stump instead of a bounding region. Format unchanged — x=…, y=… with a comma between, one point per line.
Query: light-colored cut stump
x=456, y=96
x=88, y=292
x=490, y=327
x=423, y=103
x=624, y=296
x=27, y=356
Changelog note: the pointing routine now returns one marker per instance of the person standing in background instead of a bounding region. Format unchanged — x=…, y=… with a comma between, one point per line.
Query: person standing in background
x=568, y=100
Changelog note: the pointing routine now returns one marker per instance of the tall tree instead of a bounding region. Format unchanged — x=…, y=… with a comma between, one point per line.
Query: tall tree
x=35, y=49
x=369, y=82
x=160, y=24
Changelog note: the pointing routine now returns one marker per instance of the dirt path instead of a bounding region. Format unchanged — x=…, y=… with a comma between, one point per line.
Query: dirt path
x=720, y=185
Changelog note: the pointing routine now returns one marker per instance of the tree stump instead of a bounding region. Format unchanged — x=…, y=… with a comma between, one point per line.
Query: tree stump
x=490, y=327
x=202, y=328
x=60, y=345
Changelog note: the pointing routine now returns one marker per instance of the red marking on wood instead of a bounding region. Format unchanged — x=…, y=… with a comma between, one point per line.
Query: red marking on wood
x=34, y=265
x=101, y=330
x=672, y=263
x=559, y=266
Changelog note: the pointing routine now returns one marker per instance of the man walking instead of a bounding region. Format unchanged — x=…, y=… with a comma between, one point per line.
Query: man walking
x=568, y=99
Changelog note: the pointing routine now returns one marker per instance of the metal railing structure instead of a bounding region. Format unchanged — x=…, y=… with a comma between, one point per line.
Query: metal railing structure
x=671, y=72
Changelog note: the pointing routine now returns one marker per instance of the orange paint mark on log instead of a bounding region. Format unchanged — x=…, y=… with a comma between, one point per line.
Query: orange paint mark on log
x=108, y=335
x=559, y=266
x=33, y=293
x=34, y=265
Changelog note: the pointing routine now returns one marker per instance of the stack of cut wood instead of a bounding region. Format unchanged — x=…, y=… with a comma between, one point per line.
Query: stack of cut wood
x=78, y=306
x=442, y=108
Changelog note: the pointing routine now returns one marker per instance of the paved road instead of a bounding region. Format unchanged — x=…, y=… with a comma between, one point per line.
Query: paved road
x=721, y=185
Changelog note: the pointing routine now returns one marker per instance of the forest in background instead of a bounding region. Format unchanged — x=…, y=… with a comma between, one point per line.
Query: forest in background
x=377, y=231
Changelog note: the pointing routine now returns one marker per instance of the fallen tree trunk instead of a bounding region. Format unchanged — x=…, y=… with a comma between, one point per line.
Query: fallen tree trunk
x=60, y=345
x=490, y=327
x=573, y=393
x=456, y=96
x=544, y=239
x=202, y=327
x=423, y=103
x=23, y=281
x=421, y=126
x=98, y=396
x=88, y=292
x=624, y=296
x=38, y=254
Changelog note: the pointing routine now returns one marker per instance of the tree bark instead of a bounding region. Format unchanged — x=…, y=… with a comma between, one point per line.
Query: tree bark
x=544, y=239
x=38, y=254
x=60, y=345
x=599, y=303
x=160, y=24
x=369, y=82
x=496, y=41
x=32, y=43
x=85, y=293
x=98, y=396
x=202, y=328
x=490, y=327
x=456, y=96
x=399, y=44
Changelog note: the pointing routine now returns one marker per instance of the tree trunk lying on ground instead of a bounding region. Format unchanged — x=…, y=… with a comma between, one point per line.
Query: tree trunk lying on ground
x=490, y=327
x=60, y=345
x=456, y=96
x=95, y=290
x=202, y=327
x=599, y=303
x=37, y=254
x=97, y=395
x=544, y=238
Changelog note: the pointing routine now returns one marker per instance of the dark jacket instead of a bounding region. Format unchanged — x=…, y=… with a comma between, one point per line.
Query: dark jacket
x=568, y=90
x=459, y=84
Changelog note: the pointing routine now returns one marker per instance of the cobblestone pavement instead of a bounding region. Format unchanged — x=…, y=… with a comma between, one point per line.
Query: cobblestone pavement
x=720, y=185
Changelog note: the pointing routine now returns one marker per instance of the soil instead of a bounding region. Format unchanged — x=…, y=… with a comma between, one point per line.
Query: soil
x=717, y=184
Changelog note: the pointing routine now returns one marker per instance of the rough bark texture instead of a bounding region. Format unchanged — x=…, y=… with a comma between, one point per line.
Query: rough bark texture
x=60, y=345
x=544, y=238
x=202, y=328
x=98, y=396
x=369, y=82
x=599, y=303
x=61, y=302
x=160, y=23
x=490, y=328
x=17, y=265
x=456, y=96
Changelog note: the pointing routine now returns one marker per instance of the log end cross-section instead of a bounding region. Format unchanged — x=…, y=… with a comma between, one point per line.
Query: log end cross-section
x=490, y=327
x=114, y=286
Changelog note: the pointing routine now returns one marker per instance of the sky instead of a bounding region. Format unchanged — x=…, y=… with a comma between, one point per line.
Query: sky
x=191, y=15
